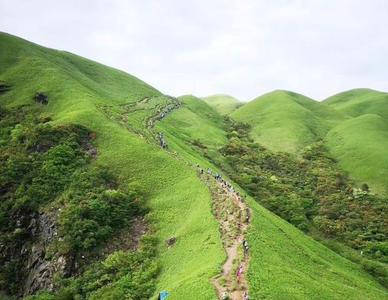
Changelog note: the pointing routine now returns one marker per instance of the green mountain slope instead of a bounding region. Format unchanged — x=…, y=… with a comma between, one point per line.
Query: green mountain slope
x=360, y=146
x=194, y=126
x=286, y=121
x=287, y=264
x=360, y=101
x=223, y=104
x=118, y=108
x=284, y=262
x=180, y=203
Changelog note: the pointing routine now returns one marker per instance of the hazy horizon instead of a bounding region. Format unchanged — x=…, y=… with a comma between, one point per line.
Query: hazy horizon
x=243, y=49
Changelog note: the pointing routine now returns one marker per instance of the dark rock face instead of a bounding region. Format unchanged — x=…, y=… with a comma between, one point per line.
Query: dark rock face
x=171, y=241
x=41, y=98
x=37, y=268
x=4, y=88
x=41, y=270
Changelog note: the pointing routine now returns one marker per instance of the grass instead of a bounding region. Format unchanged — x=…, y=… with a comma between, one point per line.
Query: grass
x=285, y=264
x=223, y=104
x=358, y=102
x=360, y=146
x=353, y=125
x=195, y=120
x=180, y=204
x=286, y=121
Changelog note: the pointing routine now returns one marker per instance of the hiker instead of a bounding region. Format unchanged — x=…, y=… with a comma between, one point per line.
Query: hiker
x=246, y=247
x=248, y=215
x=163, y=295
x=239, y=272
x=245, y=296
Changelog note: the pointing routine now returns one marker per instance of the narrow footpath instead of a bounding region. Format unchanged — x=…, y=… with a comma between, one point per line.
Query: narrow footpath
x=233, y=215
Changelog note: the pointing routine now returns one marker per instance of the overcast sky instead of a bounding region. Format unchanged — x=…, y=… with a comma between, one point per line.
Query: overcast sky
x=243, y=48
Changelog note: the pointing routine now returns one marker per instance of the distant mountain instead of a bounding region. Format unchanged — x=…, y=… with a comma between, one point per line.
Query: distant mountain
x=224, y=104
x=287, y=121
x=360, y=101
x=99, y=185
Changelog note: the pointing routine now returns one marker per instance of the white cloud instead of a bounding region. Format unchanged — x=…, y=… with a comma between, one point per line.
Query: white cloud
x=244, y=47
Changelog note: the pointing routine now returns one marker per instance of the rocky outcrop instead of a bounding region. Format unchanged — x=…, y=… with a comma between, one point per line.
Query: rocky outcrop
x=39, y=267
x=41, y=98
x=4, y=87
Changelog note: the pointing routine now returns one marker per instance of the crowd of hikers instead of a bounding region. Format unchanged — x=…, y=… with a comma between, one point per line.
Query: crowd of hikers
x=226, y=186
x=162, y=141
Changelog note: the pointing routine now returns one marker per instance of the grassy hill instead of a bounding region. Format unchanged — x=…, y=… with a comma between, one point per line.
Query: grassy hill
x=285, y=263
x=180, y=203
x=360, y=143
x=223, y=104
x=358, y=102
x=286, y=121
x=360, y=146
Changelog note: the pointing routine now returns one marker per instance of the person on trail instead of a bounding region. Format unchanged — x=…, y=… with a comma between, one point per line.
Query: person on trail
x=248, y=217
x=239, y=272
x=246, y=247
x=163, y=295
x=245, y=296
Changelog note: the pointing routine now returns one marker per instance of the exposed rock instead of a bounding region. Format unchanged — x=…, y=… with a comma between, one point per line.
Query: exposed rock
x=41, y=270
x=41, y=98
x=171, y=241
x=91, y=150
x=4, y=87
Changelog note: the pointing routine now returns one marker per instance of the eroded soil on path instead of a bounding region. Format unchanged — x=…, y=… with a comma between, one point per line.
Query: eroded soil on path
x=233, y=216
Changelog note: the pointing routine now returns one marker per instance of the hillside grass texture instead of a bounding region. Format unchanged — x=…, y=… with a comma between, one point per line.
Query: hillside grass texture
x=285, y=263
x=223, y=104
x=179, y=202
x=286, y=121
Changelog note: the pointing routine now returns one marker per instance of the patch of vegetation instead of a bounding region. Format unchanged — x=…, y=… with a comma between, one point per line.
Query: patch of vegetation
x=122, y=275
x=309, y=192
x=95, y=208
x=43, y=166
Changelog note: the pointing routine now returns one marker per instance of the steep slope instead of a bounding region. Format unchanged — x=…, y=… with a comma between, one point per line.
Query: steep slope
x=284, y=263
x=119, y=109
x=360, y=144
x=223, y=104
x=77, y=91
x=357, y=102
x=287, y=264
x=286, y=121
x=200, y=127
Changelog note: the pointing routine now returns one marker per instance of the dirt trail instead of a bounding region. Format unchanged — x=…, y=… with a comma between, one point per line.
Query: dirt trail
x=233, y=216
x=229, y=209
